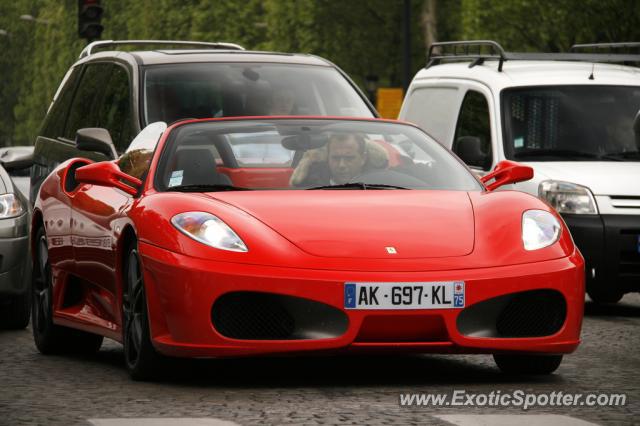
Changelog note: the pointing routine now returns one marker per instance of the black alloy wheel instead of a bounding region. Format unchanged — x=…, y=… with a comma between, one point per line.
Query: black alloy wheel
x=141, y=359
x=49, y=337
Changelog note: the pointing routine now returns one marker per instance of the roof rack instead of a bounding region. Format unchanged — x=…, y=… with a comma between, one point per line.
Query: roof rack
x=477, y=50
x=626, y=47
x=89, y=49
x=480, y=50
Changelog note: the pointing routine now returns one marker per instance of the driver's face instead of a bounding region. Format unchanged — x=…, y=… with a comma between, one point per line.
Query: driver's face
x=345, y=159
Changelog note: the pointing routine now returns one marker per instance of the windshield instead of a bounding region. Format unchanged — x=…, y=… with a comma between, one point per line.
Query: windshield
x=178, y=91
x=288, y=154
x=566, y=123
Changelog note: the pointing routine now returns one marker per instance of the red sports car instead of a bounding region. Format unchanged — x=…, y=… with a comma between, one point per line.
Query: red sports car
x=266, y=235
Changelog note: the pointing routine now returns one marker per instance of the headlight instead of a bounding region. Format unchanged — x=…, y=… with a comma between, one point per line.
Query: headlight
x=10, y=206
x=539, y=229
x=208, y=229
x=568, y=197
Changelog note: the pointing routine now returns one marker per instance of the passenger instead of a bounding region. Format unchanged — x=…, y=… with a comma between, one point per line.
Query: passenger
x=345, y=157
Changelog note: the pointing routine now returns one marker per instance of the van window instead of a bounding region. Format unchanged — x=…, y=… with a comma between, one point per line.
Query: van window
x=434, y=109
x=472, y=141
x=572, y=123
x=53, y=126
x=86, y=102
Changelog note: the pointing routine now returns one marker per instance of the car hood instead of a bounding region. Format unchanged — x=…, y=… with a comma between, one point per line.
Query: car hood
x=601, y=177
x=365, y=224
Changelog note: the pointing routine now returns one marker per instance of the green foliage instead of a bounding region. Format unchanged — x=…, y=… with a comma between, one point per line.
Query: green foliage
x=53, y=48
x=449, y=16
x=550, y=26
x=13, y=62
x=363, y=37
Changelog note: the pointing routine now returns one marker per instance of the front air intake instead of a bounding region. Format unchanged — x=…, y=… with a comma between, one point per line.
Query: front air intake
x=249, y=315
x=532, y=314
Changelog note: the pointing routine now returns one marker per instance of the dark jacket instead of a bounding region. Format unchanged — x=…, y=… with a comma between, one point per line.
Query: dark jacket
x=313, y=168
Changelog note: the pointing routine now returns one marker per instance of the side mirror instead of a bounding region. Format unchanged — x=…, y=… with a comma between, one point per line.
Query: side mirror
x=469, y=149
x=97, y=140
x=16, y=157
x=506, y=172
x=107, y=173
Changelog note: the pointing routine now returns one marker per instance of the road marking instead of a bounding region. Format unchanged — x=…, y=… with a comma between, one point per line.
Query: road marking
x=162, y=421
x=512, y=419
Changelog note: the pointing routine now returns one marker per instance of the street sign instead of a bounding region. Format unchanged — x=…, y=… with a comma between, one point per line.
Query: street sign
x=389, y=101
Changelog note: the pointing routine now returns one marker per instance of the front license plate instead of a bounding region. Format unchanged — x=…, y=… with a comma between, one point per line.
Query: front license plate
x=421, y=295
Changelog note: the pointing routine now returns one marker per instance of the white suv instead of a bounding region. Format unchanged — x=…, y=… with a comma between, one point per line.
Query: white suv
x=573, y=117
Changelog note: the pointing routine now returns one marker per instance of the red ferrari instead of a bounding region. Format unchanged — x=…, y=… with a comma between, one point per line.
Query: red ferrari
x=279, y=235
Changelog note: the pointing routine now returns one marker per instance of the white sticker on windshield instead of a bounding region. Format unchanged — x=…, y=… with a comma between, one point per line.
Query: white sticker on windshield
x=176, y=178
x=518, y=142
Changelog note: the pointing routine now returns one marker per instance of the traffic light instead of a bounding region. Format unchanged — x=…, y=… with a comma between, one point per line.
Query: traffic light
x=89, y=15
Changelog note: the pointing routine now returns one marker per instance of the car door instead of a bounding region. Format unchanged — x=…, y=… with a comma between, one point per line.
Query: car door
x=50, y=149
x=75, y=108
x=96, y=209
x=56, y=208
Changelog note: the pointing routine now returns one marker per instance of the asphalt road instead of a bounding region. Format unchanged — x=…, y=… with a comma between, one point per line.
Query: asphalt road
x=37, y=389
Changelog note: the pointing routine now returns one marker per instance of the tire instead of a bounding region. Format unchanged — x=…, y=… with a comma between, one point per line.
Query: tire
x=141, y=359
x=603, y=296
x=527, y=364
x=49, y=337
x=15, y=312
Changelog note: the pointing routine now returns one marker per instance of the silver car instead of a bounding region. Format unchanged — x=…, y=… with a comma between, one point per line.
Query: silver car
x=15, y=218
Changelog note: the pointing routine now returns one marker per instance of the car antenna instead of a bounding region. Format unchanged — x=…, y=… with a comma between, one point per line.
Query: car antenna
x=593, y=66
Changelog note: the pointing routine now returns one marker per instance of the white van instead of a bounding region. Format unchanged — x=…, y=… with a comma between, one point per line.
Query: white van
x=573, y=117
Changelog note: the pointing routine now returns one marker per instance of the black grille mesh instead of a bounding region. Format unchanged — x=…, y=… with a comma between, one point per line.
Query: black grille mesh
x=252, y=316
x=532, y=314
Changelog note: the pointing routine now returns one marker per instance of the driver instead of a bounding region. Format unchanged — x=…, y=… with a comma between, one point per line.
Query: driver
x=346, y=156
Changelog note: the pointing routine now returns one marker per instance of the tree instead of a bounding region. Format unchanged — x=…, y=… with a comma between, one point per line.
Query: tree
x=362, y=37
x=49, y=51
x=551, y=26
x=15, y=44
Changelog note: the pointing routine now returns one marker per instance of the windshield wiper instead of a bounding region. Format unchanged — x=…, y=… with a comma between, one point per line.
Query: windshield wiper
x=620, y=156
x=206, y=188
x=557, y=153
x=359, y=185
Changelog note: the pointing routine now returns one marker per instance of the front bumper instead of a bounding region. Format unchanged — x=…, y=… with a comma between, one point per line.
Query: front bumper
x=610, y=245
x=182, y=290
